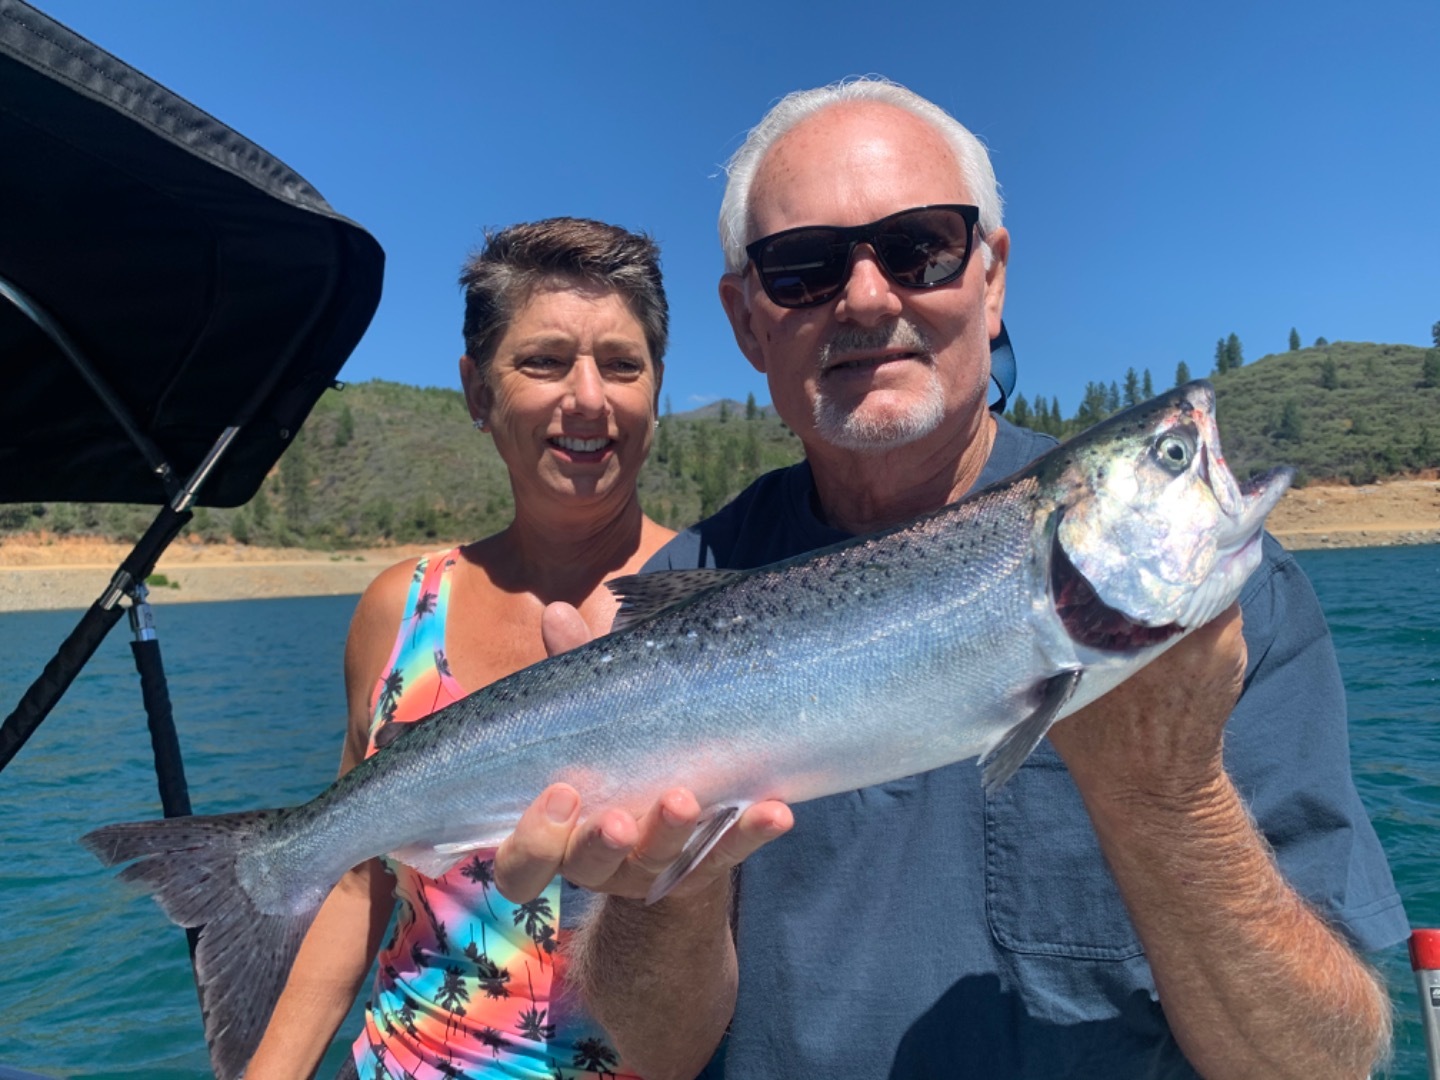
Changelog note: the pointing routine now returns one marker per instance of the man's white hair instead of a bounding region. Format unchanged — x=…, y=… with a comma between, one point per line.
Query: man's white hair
x=735, y=220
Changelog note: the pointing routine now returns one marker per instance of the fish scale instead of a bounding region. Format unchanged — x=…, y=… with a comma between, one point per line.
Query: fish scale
x=964, y=633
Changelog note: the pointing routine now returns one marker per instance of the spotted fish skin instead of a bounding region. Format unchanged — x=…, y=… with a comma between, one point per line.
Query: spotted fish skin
x=964, y=633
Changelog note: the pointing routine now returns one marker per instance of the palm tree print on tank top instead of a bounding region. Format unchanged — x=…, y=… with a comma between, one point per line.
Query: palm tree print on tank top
x=469, y=984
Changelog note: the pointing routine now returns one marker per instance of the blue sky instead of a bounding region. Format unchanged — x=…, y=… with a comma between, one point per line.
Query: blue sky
x=1172, y=172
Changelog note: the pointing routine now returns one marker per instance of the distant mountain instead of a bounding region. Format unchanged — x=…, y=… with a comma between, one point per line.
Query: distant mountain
x=726, y=407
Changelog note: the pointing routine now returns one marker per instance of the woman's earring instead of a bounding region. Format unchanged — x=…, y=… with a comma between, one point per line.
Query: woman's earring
x=481, y=424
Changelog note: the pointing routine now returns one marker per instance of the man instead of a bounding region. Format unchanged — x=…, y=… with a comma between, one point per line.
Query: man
x=918, y=929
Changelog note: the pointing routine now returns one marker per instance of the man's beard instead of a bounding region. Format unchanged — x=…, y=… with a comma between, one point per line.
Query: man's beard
x=852, y=429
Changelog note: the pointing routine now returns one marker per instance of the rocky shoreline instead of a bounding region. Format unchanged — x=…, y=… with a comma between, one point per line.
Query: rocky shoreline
x=40, y=573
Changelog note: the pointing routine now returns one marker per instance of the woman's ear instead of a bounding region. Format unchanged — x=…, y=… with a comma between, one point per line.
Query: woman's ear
x=477, y=391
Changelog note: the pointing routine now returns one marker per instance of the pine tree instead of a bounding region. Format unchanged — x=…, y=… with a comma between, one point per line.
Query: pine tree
x=1329, y=376
x=1430, y=368
x=1233, y=354
x=1147, y=388
x=1132, y=387
x=1425, y=454
x=1291, y=426
x=295, y=483
x=1112, y=399
x=1182, y=373
x=1294, y=340
x=1222, y=358
x=344, y=427
x=1093, y=405
x=751, y=456
x=751, y=409
x=1020, y=411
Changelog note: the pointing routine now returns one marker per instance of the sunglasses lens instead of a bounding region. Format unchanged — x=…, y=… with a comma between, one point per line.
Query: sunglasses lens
x=924, y=247
x=803, y=267
x=917, y=248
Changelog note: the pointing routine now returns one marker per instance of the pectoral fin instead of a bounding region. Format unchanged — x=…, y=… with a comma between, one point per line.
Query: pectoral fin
x=1019, y=741
x=391, y=730
x=702, y=841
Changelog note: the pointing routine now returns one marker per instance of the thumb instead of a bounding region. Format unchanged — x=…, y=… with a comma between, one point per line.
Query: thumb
x=562, y=629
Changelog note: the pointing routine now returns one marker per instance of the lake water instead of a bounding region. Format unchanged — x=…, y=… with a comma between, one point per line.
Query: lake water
x=98, y=983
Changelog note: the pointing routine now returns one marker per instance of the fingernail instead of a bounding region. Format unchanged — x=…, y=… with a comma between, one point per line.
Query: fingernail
x=613, y=842
x=561, y=805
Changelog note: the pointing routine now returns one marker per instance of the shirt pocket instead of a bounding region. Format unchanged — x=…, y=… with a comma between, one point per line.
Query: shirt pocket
x=1048, y=890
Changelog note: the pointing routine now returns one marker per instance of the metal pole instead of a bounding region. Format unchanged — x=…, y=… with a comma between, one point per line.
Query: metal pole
x=1425, y=962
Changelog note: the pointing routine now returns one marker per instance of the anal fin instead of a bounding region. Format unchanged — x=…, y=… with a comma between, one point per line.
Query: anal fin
x=433, y=860
x=702, y=841
x=1019, y=741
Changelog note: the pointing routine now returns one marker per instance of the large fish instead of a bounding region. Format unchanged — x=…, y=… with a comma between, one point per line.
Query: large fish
x=967, y=632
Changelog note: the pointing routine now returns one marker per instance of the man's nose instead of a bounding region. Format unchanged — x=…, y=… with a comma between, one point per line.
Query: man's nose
x=869, y=296
x=587, y=388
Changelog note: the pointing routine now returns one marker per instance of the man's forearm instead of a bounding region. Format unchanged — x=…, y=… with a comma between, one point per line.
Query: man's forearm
x=660, y=979
x=1252, y=981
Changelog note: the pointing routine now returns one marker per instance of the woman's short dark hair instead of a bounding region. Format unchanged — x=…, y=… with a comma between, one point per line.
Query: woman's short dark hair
x=517, y=259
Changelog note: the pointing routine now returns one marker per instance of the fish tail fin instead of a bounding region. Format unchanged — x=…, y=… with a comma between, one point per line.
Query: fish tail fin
x=244, y=954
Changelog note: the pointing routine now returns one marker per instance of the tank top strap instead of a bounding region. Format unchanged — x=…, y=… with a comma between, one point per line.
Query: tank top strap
x=417, y=680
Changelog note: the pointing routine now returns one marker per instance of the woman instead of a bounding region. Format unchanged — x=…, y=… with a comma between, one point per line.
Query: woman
x=565, y=332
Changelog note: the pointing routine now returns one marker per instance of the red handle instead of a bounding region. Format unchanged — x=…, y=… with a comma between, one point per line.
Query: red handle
x=1425, y=950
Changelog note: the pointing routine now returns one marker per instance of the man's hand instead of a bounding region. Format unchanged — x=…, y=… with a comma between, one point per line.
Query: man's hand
x=1159, y=734
x=612, y=851
x=1252, y=981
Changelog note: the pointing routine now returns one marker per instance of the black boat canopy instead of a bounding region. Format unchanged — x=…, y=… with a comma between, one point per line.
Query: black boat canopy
x=173, y=302
x=206, y=284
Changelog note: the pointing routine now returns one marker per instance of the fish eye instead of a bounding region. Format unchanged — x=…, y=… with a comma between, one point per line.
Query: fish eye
x=1174, y=452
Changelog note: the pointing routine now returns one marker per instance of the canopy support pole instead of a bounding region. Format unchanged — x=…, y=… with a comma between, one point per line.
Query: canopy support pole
x=105, y=612
x=51, y=329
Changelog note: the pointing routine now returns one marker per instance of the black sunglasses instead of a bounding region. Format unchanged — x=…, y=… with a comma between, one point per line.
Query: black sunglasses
x=918, y=248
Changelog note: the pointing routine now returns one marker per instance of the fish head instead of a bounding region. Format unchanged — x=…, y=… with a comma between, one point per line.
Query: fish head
x=1153, y=521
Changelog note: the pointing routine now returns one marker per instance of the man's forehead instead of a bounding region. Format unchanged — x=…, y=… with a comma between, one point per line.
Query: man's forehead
x=841, y=164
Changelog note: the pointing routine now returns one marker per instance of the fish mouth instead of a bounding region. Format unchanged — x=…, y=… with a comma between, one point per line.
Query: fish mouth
x=1257, y=497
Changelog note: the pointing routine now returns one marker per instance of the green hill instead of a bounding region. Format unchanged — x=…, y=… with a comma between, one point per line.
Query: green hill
x=1346, y=411
x=381, y=461
x=1350, y=411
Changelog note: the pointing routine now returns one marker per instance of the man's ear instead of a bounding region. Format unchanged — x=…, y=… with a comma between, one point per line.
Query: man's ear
x=477, y=390
x=736, y=303
x=999, y=242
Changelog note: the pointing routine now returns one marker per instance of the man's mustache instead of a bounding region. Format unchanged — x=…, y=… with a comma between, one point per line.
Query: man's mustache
x=850, y=340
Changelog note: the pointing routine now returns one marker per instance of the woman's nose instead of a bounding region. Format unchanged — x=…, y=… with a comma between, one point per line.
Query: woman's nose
x=587, y=388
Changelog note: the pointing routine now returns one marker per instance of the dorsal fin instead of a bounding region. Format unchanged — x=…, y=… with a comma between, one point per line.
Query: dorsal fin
x=645, y=595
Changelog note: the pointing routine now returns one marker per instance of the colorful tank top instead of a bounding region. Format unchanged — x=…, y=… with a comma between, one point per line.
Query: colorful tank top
x=469, y=984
